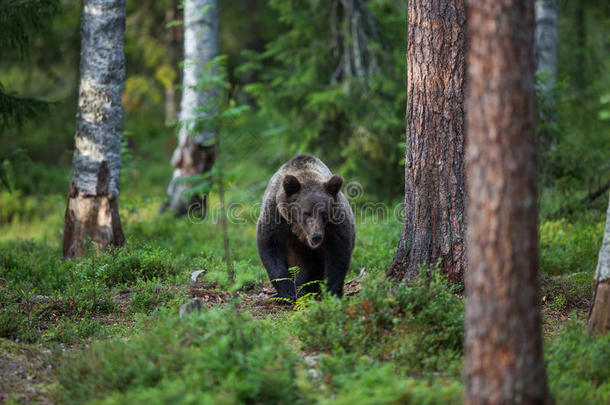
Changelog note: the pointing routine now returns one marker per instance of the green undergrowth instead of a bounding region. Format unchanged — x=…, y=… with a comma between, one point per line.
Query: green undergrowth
x=224, y=356
x=389, y=344
x=577, y=366
x=46, y=298
x=418, y=327
x=116, y=316
x=567, y=292
x=212, y=357
x=571, y=245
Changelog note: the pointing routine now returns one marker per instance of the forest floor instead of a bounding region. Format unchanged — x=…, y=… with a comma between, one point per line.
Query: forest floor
x=106, y=329
x=28, y=373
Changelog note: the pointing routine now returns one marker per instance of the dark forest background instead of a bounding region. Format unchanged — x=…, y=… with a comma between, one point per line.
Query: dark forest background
x=282, y=59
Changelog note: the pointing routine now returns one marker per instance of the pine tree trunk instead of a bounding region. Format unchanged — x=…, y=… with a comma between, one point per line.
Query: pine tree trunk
x=195, y=152
x=92, y=211
x=433, y=227
x=503, y=350
x=599, y=316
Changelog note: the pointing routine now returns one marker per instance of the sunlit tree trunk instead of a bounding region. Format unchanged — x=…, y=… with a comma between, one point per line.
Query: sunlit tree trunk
x=92, y=211
x=195, y=152
x=503, y=361
x=433, y=227
x=599, y=316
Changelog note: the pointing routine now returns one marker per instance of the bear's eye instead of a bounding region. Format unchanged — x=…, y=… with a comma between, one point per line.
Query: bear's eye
x=324, y=215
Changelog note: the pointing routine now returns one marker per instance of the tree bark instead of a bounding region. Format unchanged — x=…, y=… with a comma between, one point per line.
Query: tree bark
x=547, y=37
x=503, y=350
x=599, y=315
x=195, y=153
x=433, y=227
x=92, y=211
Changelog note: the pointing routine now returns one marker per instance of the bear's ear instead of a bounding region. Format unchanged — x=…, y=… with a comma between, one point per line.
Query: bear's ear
x=291, y=184
x=333, y=185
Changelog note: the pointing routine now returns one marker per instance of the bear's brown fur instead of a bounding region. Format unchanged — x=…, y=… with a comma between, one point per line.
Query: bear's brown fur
x=305, y=221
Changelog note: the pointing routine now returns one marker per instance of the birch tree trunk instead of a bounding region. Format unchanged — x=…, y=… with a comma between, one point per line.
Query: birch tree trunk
x=92, y=211
x=195, y=152
x=599, y=316
x=547, y=37
x=503, y=361
x=433, y=227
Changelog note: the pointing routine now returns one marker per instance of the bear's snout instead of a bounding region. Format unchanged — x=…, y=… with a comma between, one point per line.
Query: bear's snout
x=316, y=240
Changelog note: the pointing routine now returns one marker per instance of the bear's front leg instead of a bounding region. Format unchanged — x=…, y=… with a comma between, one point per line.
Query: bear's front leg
x=273, y=255
x=338, y=252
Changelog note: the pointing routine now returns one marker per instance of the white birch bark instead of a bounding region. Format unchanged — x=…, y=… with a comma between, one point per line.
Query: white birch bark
x=92, y=210
x=599, y=317
x=547, y=37
x=193, y=155
x=603, y=264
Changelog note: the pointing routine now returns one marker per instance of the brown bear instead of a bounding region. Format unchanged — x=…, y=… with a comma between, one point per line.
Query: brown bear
x=305, y=221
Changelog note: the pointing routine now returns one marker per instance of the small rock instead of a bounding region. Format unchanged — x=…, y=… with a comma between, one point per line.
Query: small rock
x=195, y=275
x=190, y=306
x=311, y=360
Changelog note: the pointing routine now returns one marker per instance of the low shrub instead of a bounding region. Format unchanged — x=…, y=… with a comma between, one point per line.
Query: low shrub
x=569, y=247
x=69, y=331
x=216, y=356
x=577, y=366
x=124, y=266
x=150, y=295
x=417, y=325
x=351, y=379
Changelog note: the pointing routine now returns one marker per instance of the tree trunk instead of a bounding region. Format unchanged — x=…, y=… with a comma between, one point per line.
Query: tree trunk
x=433, y=227
x=195, y=152
x=92, y=211
x=547, y=37
x=599, y=316
x=503, y=350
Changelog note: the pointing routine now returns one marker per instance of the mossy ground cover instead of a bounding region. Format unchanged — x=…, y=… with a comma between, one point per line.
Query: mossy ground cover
x=105, y=328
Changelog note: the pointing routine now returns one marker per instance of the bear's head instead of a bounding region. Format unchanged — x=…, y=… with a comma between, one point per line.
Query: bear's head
x=308, y=206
